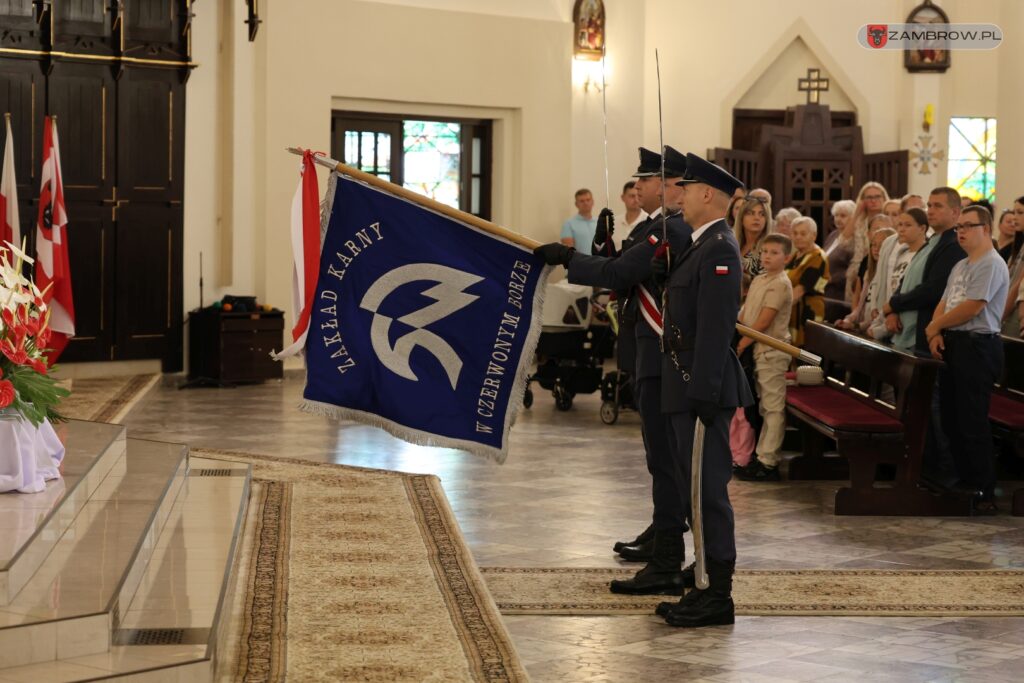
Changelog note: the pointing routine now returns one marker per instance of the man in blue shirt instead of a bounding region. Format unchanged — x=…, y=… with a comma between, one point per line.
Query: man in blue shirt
x=578, y=231
x=964, y=332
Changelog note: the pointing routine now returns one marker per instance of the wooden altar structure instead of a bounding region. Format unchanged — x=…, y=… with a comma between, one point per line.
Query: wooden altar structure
x=809, y=164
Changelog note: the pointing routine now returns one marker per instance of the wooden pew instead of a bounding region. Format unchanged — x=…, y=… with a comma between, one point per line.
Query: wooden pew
x=868, y=431
x=1006, y=412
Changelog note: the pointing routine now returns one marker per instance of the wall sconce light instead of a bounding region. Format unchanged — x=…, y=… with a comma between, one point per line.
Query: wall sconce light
x=587, y=74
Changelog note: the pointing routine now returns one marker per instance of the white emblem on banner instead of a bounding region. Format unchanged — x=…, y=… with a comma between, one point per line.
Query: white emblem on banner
x=449, y=295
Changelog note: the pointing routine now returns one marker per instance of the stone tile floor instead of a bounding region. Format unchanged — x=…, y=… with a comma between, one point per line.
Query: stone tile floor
x=572, y=485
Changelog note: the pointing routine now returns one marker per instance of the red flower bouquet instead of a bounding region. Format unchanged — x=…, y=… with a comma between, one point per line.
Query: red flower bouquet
x=25, y=383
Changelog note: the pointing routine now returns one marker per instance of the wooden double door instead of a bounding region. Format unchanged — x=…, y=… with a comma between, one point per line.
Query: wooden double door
x=114, y=76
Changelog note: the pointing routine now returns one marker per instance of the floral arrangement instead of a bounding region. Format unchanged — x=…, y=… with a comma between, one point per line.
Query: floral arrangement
x=25, y=383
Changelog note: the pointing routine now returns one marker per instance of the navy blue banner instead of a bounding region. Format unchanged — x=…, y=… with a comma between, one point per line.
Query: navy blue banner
x=421, y=325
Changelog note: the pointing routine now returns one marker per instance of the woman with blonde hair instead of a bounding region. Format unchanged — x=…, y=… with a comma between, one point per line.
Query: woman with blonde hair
x=753, y=224
x=808, y=273
x=870, y=201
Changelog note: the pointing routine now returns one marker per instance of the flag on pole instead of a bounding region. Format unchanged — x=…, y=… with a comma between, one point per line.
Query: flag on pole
x=305, y=219
x=53, y=269
x=420, y=324
x=10, y=228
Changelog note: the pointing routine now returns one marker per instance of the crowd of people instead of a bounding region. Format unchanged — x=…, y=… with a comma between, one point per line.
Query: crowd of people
x=937, y=276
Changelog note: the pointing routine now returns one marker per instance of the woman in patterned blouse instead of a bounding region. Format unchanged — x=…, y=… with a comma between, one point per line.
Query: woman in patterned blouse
x=753, y=223
x=808, y=273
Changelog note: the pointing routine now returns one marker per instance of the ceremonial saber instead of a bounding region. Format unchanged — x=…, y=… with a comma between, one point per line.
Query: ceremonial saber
x=696, y=510
x=697, y=456
x=604, y=111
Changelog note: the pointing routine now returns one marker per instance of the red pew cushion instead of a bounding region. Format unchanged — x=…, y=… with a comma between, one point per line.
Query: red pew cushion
x=1007, y=412
x=840, y=411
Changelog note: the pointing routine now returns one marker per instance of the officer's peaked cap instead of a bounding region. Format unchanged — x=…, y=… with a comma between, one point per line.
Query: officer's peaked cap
x=702, y=171
x=650, y=164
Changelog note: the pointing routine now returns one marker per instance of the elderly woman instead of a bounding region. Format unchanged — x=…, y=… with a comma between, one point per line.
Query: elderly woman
x=839, y=249
x=753, y=223
x=808, y=273
x=784, y=219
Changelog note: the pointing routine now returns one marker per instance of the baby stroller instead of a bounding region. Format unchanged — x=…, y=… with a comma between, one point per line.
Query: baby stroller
x=617, y=385
x=571, y=348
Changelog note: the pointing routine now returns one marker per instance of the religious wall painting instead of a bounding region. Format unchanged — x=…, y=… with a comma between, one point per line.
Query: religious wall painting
x=924, y=55
x=588, y=38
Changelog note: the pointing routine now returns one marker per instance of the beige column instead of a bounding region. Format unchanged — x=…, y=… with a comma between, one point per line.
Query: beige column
x=1010, y=106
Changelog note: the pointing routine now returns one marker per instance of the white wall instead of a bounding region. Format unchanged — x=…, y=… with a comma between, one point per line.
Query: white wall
x=247, y=101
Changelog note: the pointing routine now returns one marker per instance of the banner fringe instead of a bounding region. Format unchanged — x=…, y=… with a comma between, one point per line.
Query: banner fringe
x=414, y=436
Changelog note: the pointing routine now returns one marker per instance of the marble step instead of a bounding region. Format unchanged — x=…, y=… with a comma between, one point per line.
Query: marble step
x=184, y=599
x=79, y=594
x=31, y=524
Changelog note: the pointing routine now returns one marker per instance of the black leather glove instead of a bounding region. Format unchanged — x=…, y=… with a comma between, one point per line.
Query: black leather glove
x=555, y=253
x=706, y=411
x=605, y=226
x=660, y=265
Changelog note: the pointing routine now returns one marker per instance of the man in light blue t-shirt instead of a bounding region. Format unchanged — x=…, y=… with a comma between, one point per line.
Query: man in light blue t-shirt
x=578, y=231
x=964, y=332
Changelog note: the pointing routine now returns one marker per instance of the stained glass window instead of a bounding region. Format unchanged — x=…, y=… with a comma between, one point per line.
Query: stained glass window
x=972, y=157
x=431, y=159
x=448, y=161
x=368, y=151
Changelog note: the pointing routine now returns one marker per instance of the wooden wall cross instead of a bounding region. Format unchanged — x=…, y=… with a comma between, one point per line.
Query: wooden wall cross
x=813, y=85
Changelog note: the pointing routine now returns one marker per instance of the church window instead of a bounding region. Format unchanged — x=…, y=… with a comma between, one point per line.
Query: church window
x=446, y=159
x=972, y=157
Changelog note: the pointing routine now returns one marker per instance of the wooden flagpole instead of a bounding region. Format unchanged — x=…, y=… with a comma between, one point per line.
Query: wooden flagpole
x=426, y=202
x=779, y=345
x=515, y=238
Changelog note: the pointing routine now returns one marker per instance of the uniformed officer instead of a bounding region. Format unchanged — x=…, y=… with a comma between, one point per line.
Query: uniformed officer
x=702, y=378
x=630, y=275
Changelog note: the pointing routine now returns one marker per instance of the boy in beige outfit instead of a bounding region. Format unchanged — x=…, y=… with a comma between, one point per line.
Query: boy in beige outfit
x=767, y=309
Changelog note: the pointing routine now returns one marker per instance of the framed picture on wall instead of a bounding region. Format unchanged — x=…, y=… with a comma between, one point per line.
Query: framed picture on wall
x=927, y=55
x=588, y=38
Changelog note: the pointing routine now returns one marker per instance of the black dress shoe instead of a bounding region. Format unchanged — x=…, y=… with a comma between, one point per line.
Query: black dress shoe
x=642, y=552
x=645, y=535
x=712, y=606
x=708, y=608
x=650, y=583
x=757, y=471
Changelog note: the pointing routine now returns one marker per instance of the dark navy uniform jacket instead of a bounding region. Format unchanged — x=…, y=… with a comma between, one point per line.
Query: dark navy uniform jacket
x=702, y=302
x=624, y=273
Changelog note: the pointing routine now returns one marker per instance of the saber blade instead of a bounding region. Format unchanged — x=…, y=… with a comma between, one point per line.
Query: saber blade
x=604, y=110
x=696, y=510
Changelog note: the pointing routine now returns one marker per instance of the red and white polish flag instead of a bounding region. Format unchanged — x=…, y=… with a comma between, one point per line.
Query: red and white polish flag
x=305, y=234
x=10, y=228
x=53, y=267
